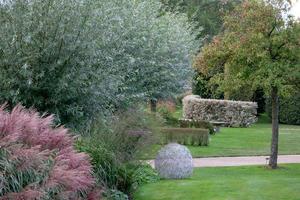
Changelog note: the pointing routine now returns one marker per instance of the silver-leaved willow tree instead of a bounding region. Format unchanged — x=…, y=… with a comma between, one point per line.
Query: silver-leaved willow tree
x=79, y=58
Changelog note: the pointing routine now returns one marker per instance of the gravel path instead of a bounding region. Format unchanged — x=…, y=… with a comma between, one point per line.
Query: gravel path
x=239, y=161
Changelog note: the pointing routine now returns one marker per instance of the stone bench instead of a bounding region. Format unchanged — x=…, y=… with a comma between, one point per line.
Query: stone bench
x=217, y=125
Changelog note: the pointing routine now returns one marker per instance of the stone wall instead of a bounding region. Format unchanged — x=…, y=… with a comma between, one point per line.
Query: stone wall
x=232, y=113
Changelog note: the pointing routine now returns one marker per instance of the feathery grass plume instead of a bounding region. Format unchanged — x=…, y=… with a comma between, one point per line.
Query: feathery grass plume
x=38, y=161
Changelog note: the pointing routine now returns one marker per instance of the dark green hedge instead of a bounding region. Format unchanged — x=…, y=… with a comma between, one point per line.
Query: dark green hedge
x=184, y=123
x=186, y=136
x=289, y=109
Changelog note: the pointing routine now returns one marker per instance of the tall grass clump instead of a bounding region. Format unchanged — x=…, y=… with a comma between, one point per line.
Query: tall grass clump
x=115, y=150
x=39, y=162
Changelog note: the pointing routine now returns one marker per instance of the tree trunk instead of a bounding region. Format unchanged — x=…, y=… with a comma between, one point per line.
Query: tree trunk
x=226, y=74
x=274, y=143
x=226, y=95
x=153, y=105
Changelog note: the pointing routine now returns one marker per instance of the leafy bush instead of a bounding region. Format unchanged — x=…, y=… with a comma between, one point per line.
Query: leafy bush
x=43, y=61
x=116, y=195
x=167, y=115
x=114, y=150
x=74, y=59
x=289, y=109
x=144, y=174
x=186, y=136
x=38, y=161
x=202, y=87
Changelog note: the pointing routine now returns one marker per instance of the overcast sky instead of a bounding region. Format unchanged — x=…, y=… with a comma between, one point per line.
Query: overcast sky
x=296, y=8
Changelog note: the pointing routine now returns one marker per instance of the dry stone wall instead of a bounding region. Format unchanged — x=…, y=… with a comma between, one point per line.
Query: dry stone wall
x=232, y=113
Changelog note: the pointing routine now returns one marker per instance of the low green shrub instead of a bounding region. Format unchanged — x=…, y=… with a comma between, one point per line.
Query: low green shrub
x=167, y=115
x=186, y=136
x=144, y=174
x=186, y=123
x=116, y=195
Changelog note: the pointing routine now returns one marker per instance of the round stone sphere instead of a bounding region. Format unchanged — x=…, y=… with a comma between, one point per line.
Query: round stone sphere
x=174, y=161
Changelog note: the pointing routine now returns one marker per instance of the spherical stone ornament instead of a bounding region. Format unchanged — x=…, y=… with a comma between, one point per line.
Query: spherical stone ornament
x=174, y=161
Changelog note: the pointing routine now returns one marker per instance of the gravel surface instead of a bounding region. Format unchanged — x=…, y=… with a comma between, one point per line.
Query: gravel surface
x=239, y=161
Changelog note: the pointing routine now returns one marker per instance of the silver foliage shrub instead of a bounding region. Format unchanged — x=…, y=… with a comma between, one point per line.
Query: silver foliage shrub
x=79, y=58
x=174, y=161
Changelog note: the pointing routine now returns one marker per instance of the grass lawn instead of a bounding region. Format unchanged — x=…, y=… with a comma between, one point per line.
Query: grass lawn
x=246, y=141
x=228, y=183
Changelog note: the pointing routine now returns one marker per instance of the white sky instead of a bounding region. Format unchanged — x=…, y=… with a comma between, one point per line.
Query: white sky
x=296, y=8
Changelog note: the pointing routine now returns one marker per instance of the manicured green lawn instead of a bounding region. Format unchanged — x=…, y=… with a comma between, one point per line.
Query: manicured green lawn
x=250, y=141
x=246, y=141
x=229, y=183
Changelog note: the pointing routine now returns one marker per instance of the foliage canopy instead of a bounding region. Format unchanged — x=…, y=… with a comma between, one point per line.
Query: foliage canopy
x=206, y=15
x=258, y=48
x=77, y=59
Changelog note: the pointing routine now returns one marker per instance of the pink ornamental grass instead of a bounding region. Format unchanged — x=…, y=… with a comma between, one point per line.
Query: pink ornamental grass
x=40, y=160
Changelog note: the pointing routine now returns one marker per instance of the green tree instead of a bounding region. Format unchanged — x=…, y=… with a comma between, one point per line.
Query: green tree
x=78, y=59
x=44, y=57
x=259, y=47
x=207, y=18
x=205, y=14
